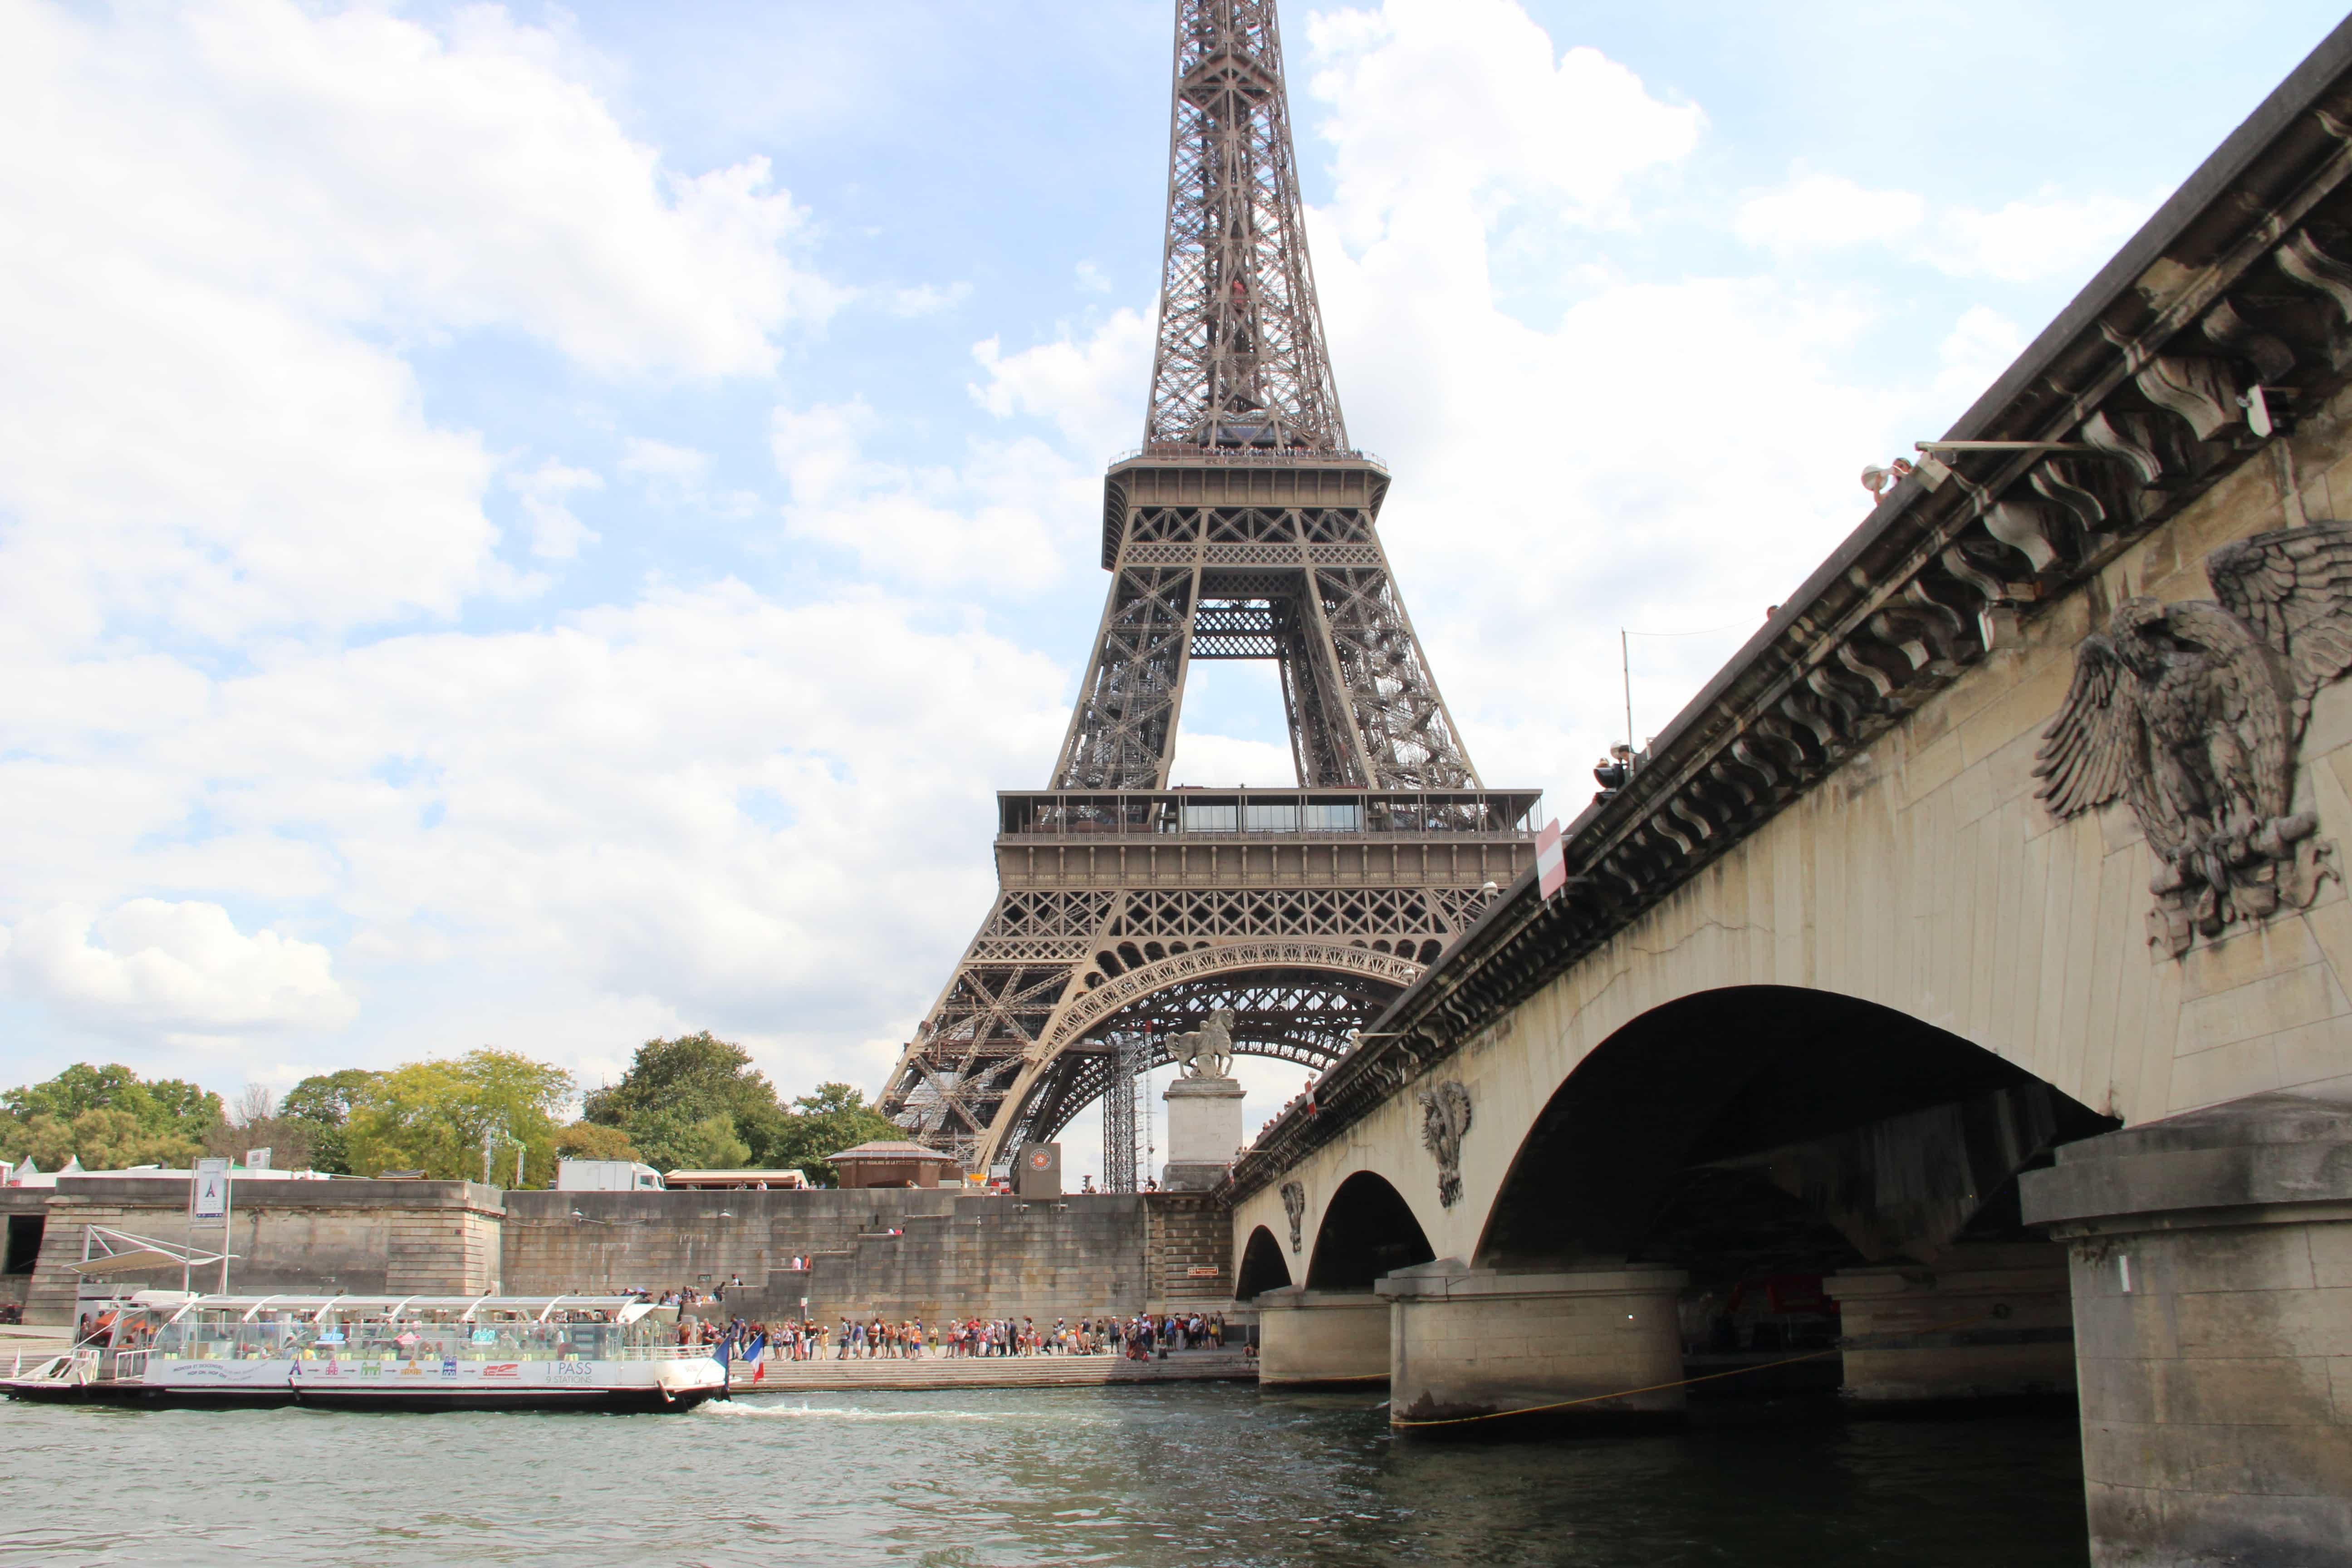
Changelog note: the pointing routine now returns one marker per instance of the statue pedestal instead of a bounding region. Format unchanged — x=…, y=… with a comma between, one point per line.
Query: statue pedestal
x=1204, y=1129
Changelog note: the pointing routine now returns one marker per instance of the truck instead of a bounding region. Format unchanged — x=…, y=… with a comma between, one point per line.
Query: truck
x=605, y=1176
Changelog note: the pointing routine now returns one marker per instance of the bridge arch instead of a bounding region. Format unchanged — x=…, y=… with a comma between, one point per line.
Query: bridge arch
x=1262, y=1267
x=1295, y=1000
x=1833, y=1123
x=1367, y=1229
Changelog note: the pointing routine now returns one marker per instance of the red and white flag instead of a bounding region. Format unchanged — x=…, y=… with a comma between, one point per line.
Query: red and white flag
x=1551, y=864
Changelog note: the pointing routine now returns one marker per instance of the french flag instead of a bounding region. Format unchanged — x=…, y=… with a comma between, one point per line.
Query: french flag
x=1551, y=862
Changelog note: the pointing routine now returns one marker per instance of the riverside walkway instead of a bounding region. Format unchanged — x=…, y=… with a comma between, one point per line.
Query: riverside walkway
x=992, y=1372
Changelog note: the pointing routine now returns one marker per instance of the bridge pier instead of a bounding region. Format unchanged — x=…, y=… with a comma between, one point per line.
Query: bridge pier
x=1309, y=1337
x=1984, y=1322
x=2211, y=1264
x=1477, y=1342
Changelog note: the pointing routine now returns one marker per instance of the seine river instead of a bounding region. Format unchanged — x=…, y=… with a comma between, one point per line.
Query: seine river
x=1130, y=1478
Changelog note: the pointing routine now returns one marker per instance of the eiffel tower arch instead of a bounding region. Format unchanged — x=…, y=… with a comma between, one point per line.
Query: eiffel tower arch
x=1244, y=527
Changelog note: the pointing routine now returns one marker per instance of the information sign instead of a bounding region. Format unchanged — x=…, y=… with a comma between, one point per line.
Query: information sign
x=1551, y=864
x=212, y=1189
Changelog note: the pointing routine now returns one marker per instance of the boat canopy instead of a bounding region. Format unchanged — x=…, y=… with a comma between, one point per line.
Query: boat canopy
x=403, y=1304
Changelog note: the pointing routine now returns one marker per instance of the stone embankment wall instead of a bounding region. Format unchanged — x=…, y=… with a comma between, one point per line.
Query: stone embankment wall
x=901, y=1253
x=359, y=1237
x=1191, y=1250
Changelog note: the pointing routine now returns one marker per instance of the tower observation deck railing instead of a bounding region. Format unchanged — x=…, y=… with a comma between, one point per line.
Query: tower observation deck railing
x=1319, y=816
x=1262, y=457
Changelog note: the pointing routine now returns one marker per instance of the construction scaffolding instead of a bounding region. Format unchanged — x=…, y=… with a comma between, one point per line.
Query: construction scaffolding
x=1122, y=1101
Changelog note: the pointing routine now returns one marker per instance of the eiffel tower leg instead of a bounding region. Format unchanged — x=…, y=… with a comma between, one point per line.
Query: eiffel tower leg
x=1402, y=721
x=1123, y=735
x=1333, y=712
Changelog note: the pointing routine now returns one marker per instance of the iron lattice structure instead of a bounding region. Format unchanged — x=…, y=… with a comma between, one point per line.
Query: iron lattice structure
x=1129, y=1060
x=1245, y=528
x=1241, y=361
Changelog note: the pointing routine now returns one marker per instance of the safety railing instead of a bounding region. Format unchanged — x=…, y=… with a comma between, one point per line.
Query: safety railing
x=72, y=1366
x=1244, y=457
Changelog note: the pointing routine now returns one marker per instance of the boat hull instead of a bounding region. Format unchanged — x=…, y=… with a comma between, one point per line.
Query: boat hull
x=644, y=1399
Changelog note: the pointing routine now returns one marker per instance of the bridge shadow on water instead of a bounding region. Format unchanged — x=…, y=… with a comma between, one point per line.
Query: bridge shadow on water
x=1762, y=1492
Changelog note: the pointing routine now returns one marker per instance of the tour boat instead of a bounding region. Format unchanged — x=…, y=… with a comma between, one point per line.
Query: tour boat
x=379, y=1353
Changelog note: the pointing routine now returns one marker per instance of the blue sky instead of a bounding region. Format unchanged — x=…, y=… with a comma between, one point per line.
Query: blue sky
x=545, y=527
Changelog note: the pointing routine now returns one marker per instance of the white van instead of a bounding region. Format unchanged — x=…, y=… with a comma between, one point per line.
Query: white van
x=605, y=1176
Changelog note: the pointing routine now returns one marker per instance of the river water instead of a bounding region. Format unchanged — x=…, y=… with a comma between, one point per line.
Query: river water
x=1210, y=1475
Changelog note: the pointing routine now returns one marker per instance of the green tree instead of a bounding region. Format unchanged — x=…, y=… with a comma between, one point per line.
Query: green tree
x=432, y=1115
x=107, y=1117
x=103, y=1140
x=595, y=1140
x=676, y=1140
x=253, y=1122
x=323, y=1103
x=674, y=1085
x=831, y=1117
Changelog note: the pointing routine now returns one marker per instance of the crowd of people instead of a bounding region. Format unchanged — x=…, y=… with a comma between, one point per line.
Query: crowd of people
x=1139, y=1338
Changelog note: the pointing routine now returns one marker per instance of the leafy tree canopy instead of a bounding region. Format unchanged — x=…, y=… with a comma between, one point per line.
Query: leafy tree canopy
x=678, y=1141
x=328, y=1097
x=672, y=1084
x=166, y=1104
x=832, y=1118
x=698, y=1073
x=593, y=1141
x=322, y=1104
x=432, y=1116
x=107, y=1117
x=256, y=1121
x=697, y=1102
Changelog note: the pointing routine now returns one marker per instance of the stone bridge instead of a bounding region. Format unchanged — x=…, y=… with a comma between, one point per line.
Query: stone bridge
x=1962, y=978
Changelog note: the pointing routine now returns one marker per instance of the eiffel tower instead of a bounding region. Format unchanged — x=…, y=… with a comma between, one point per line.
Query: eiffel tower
x=1243, y=528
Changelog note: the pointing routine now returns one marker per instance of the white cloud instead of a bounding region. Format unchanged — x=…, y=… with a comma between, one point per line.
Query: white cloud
x=701, y=806
x=1093, y=390
x=178, y=966
x=230, y=210
x=1091, y=279
x=663, y=462
x=1827, y=212
x=555, y=533
x=1218, y=760
x=928, y=299
x=466, y=175
x=1007, y=518
x=2050, y=237
x=675, y=476
x=1981, y=345
x=1495, y=115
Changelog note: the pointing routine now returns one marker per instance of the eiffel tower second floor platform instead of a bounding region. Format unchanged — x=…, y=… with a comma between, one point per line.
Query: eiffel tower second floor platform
x=1266, y=554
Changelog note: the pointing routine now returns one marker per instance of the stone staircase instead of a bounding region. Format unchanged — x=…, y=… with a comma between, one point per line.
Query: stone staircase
x=23, y=1345
x=994, y=1372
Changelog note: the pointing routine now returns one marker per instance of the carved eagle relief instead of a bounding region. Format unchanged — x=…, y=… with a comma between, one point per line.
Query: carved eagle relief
x=2194, y=712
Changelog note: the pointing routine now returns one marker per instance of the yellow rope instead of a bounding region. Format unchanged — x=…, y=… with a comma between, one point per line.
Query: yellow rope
x=1661, y=1387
